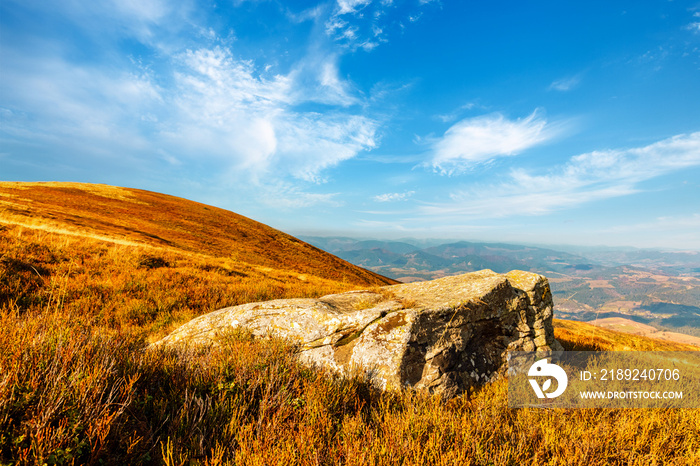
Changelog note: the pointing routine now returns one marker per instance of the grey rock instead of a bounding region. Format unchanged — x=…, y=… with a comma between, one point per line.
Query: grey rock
x=442, y=336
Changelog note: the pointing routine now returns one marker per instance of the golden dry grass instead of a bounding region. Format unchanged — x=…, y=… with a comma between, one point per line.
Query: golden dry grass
x=134, y=288
x=133, y=216
x=582, y=336
x=78, y=387
x=70, y=394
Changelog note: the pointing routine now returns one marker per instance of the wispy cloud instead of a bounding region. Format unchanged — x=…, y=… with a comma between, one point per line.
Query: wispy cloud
x=148, y=21
x=351, y=6
x=363, y=24
x=453, y=115
x=565, y=84
x=204, y=106
x=62, y=103
x=389, y=197
x=678, y=231
x=584, y=178
x=316, y=79
x=695, y=25
x=663, y=224
x=309, y=14
x=227, y=110
x=288, y=196
x=145, y=10
x=476, y=140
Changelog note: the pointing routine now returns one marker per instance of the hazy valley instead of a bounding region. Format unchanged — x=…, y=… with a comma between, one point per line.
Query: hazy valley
x=658, y=288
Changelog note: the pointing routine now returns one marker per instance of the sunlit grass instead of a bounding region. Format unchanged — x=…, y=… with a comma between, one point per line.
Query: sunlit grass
x=79, y=386
x=136, y=217
x=142, y=288
x=580, y=336
x=70, y=394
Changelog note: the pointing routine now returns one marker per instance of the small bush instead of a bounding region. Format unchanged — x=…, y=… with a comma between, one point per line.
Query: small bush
x=153, y=262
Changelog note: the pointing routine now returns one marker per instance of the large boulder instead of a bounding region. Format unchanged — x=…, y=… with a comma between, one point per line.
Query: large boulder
x=442, y=336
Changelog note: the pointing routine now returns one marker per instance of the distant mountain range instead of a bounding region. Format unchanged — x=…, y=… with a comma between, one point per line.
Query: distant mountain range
x=395, y=258
x=659, y=288
x=408, y=262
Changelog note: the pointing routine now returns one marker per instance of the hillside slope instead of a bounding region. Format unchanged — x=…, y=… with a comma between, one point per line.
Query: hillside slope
x=143, y=217
x=583, y=336
x=621, y=324
x=97, y=277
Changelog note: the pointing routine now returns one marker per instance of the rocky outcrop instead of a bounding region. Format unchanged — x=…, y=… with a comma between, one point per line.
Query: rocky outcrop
x=442, y=336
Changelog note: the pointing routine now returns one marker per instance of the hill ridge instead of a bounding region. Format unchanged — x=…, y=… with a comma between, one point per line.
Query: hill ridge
x=145, y=217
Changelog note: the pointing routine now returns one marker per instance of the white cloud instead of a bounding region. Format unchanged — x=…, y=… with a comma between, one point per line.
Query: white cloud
x=181, y=102
x=475, y=140
x=363, y=24
x=452, y=116
x=337, y=90
x=311, y=143
x=316, y=78
x=216, y=111
x=585, y=178
x=228, y=112
x=351, y=6
x=312, y=14
x=661, y=232
x=63, y=104
x=663, y=224
x=142, y=19
x=565, y=84
x=284, y=195
x=389, y=197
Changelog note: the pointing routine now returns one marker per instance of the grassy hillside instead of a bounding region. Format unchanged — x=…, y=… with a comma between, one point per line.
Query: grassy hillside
x=621, y=324
x=133, y=216
x=582, y=336
x=78, y=307
x=134, y=287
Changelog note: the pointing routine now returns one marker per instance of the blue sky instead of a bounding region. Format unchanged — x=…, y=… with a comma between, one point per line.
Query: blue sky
x=547, y=122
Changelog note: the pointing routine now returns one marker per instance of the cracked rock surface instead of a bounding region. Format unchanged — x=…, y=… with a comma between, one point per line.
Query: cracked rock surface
x=442, y=336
